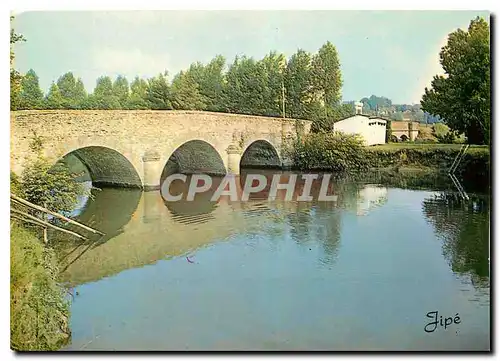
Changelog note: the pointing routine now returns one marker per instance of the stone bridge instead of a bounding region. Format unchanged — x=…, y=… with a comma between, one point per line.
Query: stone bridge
x=404, y=130
x=138, y=148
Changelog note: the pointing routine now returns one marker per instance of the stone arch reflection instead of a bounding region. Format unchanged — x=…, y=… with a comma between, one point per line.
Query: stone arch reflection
x=192, y=211
x=109, y=210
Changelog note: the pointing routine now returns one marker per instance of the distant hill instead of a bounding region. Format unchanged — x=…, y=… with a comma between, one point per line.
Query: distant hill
x=380, y=105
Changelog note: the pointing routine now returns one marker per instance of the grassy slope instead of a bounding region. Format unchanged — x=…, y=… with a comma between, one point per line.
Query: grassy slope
x=39, y=312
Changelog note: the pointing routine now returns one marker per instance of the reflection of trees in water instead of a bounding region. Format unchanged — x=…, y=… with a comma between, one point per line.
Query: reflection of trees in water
x=300, y=223
x=328, y=226
x=472, y=181
x=348, y=194
x=464, y=228
x=318, y=222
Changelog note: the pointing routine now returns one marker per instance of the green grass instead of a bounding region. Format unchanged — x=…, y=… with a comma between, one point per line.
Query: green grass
x=430, y=146
x=38, y=309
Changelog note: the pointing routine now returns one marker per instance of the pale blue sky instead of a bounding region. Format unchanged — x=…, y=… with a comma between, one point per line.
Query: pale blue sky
x=392, y=54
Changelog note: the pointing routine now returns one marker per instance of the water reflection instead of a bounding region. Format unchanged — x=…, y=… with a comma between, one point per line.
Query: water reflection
x=464, y=228
x=142, y=228
x=357, y=273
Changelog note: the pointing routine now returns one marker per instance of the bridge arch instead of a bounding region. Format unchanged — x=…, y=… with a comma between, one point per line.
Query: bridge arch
x=106, y=166
x=260, y=153
x=192, y=157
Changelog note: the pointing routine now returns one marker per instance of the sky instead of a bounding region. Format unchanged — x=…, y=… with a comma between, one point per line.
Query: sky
x=386, y=53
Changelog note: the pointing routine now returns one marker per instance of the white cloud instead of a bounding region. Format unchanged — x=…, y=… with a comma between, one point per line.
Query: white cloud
x=129, y=62
x=432, y=67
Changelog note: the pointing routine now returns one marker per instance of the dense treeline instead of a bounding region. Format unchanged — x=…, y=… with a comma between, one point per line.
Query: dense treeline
x=309, y=84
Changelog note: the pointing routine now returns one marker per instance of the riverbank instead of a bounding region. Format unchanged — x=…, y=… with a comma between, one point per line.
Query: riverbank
x=38, y=305
x=346, y=155
x=473, y=171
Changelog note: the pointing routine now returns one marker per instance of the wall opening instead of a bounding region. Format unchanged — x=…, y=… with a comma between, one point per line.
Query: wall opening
x=260, y=154
x=194, y=157
x=104, y=167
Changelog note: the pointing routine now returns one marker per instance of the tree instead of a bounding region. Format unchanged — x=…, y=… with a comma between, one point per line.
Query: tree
x=54, y=99
x=31, y=96
x=326, y=76
x=138, y=94
x=72, y=91
x=246, y=87
x=158, y=94
x=50, y=185
x=210, y=80
x=121, y=90
x=185, y=94
x=15, y=77
x=80, y=94
x=90, y=102
x=104, y=87
x=397, y=116
x=298, y=85
x=462, y=96
x=212, y=87
x=274, y=65
x=103, y=97
x=336, y=113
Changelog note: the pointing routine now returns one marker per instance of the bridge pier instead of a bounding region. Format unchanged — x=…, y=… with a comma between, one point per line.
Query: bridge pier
x=152, y=169
x=233, y=159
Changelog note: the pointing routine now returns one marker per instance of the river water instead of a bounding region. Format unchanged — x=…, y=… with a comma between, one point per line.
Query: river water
x=361, y=273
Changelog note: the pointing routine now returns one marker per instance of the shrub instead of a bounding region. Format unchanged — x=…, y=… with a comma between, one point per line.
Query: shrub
x=15, y=185
x=51, y=186
x=339, y=152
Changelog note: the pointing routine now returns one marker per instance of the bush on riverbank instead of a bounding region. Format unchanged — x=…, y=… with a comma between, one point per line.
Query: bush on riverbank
x=39, y=309
x=338, y=152
x=427, y=155
x=52, y=186
x=346, y=154
x=39, y=312
x=473, y=169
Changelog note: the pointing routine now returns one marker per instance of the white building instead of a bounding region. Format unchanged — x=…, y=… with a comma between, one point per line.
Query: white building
x=372, y=129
